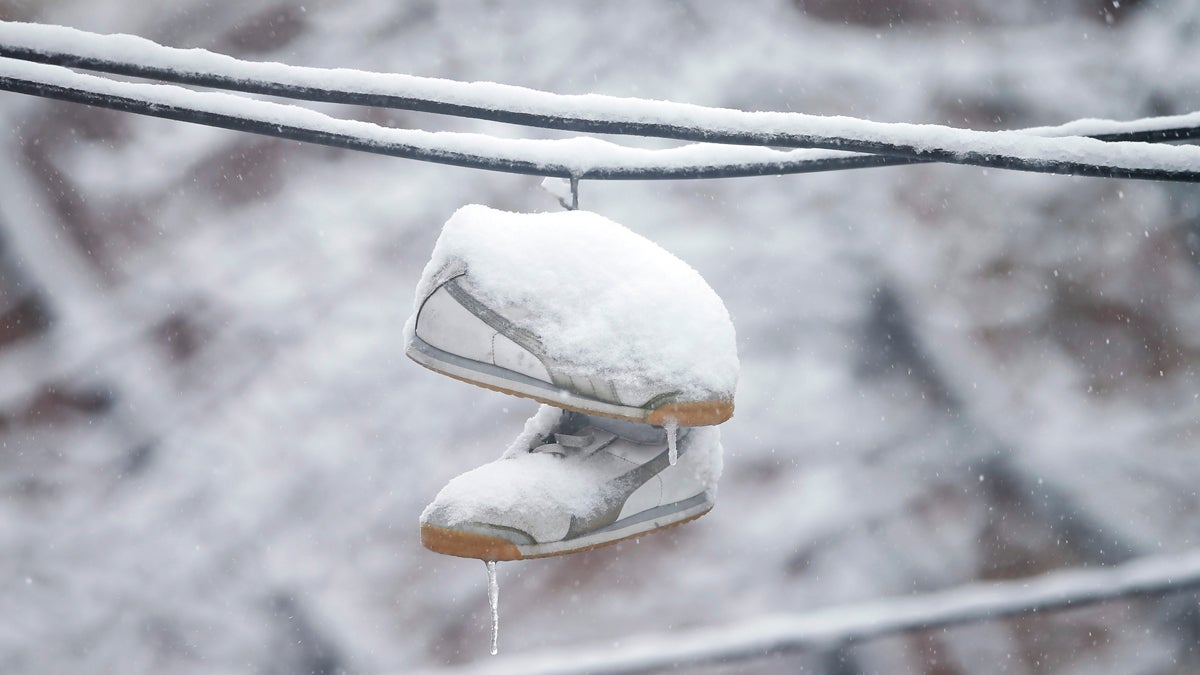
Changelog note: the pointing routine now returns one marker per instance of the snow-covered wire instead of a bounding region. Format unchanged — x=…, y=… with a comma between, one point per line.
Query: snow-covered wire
x=589, y=158
x=567, y=158
x=834, y=627
x=592, y=113
x=886, y=144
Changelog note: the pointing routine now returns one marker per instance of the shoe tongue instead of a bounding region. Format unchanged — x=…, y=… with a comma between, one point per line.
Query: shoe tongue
x=572, y=441
x=630, y=431
x=572, y=422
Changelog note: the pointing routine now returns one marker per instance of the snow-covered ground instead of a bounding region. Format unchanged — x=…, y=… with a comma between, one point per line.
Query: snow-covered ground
x=214, y=456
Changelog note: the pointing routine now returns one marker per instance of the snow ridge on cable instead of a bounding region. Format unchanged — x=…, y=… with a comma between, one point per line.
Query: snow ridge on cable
x=898, y=143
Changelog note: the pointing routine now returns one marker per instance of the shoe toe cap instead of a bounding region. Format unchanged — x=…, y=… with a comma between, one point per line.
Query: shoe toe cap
x=486, y=544
x=482, y=522
x=526, y=501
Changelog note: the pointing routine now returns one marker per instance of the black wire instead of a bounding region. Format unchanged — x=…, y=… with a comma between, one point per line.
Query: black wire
x=558, y=122
x=226, y=121
x=881, y=154
x=405, y=151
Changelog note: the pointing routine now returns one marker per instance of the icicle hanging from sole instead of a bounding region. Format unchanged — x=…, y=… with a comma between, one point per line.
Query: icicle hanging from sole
x=672, y=428
x=494, y=601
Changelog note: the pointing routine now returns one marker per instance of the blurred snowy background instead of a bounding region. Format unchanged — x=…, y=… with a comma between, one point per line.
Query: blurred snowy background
x=213, y=452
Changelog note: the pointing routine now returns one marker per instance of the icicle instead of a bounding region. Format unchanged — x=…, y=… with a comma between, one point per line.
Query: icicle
x=672, y=428
x=494, y=601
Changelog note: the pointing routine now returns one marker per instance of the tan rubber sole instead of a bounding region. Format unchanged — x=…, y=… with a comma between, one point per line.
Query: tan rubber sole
x=687, y=414
x=692, y=414
x=483, y=547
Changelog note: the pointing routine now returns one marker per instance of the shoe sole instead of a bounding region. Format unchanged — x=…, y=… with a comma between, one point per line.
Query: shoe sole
x=484, y=547
x=495, y=378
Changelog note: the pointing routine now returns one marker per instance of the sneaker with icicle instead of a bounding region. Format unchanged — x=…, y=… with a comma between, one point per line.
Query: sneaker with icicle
x=576, y=311
x=573, y=482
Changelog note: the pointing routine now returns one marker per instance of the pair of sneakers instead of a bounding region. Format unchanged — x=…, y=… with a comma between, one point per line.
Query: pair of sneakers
x=631, y=353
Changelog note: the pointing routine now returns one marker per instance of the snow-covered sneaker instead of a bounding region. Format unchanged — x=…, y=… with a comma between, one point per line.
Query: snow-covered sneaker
x=574, y=310
x=573, y=482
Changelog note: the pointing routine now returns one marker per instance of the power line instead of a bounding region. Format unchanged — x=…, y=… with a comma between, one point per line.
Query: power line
x=591, y=113
x=429, y=102
x=896, y=143
x=558, y=158
x=579, y=158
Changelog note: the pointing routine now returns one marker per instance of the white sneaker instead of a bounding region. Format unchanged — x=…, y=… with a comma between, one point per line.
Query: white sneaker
x=573, y=310
x=572, y=482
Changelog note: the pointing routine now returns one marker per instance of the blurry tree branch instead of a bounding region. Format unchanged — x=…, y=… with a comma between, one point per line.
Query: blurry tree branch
x=833, y=627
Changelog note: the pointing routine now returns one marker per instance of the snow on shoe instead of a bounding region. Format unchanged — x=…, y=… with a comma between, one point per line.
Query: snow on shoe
x=572, y=482
x=574, y=310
